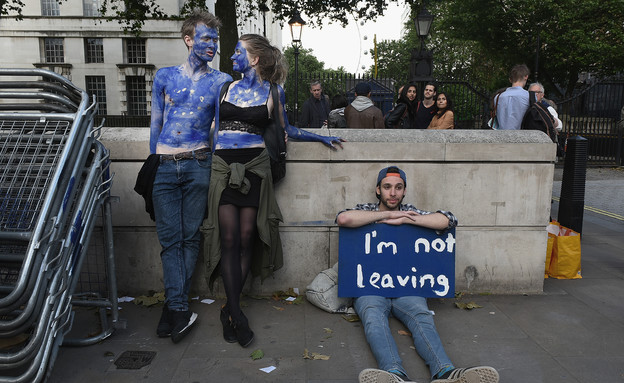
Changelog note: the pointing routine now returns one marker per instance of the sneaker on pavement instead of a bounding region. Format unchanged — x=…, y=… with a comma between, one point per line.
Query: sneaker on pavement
x=164, y=325
x=481, y=374
x=373, y=375
x=182, y=322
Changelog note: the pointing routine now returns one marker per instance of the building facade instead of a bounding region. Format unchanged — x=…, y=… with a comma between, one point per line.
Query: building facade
x=72, y=39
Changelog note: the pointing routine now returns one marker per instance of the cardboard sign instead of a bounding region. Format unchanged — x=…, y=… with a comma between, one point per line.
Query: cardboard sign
x=394, y=261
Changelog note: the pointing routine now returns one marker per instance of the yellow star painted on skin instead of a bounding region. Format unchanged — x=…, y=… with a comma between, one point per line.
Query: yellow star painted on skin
x=201, y=98
x=184, y=90
x=192, y=91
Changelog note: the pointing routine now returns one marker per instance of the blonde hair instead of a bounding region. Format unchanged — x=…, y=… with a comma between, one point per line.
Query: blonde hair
x=271, y=62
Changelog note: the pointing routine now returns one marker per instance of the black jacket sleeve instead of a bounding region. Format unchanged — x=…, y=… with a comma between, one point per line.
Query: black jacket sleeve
x=394, y=116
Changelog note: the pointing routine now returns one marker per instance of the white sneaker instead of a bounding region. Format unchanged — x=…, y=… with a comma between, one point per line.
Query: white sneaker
x=373, y=375
x=481, y=374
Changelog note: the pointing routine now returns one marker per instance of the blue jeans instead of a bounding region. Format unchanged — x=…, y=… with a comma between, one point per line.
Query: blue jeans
x=414, y=313
x=180, y=196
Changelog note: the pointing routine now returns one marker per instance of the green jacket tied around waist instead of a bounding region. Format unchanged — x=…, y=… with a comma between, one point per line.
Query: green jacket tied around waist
x=268, y=256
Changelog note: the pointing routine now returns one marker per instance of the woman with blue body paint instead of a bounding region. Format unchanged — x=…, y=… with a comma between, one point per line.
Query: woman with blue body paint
x=242, y=228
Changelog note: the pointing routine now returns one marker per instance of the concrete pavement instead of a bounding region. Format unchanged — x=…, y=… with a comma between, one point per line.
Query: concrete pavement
x=573, y=332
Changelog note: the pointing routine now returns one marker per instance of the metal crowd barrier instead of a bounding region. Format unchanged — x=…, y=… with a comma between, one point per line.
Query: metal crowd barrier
x=54, y=179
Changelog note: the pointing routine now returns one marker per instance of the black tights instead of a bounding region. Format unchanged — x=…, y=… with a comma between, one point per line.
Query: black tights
x=237, y=227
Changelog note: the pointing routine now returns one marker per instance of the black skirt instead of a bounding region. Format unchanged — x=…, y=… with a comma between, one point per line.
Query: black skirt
x=234, y=197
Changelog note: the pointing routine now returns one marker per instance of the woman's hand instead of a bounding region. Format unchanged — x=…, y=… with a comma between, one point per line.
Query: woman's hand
x=330, y=141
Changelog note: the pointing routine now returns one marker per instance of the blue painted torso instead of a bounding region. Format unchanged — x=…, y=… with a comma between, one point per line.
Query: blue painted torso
x=185, y=103
x=249, y=105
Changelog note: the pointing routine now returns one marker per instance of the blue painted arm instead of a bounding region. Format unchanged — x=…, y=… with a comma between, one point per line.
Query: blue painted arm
x=158, y=105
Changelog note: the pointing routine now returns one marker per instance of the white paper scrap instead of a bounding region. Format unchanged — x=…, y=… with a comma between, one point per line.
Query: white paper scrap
x=207, y=301
x=290, y=299
x=268, y=369
x=195, y=298
x=296, y=290
x=125, y=299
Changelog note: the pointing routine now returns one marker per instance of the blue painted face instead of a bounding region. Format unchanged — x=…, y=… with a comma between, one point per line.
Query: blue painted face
x=239, y=58
x=205, y=42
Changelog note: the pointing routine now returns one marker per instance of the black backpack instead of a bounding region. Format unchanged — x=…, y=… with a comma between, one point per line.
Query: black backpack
x=537, y=117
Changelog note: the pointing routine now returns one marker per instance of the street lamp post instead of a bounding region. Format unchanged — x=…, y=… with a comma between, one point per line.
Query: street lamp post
x=264, y=9
x=296, y=27
x=421, y=61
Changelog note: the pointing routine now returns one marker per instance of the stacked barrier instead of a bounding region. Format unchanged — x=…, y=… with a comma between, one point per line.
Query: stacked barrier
x=54, y=179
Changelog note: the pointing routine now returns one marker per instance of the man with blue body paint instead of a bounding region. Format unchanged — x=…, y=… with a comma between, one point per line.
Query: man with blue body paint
x=412, y=311
x=183, y=109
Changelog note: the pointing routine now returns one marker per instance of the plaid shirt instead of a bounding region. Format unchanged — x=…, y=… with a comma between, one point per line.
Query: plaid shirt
x=407, y=207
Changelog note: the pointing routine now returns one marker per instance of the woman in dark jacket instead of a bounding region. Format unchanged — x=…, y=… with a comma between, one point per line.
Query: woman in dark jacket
x=403, y=114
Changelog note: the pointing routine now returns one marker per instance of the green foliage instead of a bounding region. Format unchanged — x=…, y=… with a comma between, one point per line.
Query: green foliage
x=132, y=14
x=12, y=8
x=310, y=68
x=576, y=36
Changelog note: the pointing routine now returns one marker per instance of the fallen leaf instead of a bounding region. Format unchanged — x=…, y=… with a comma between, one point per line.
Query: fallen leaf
x=146, y=301
x=258, y=354
x=328, y=330
x=278, y=308
x=297, y=301
x=351, y=317
x=403, y=332
x=314, y=355
x=473, y=305
x=467, y=306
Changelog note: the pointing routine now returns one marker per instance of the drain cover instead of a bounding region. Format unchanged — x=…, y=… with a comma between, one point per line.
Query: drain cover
x=133, y=360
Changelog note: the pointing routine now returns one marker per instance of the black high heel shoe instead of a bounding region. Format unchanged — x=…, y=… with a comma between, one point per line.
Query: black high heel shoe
x=244, y=335
x=228, y=330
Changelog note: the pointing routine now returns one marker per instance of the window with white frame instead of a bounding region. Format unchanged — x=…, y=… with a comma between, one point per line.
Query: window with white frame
x=94, y=50
x=134, y=51
x=91, y=8
x=96, y=86
x=50, y=8
x=136, y=93
x=53, y=50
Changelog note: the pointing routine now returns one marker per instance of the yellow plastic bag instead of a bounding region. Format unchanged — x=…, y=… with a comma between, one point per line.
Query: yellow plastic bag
x=549, y=250
x=565, y=259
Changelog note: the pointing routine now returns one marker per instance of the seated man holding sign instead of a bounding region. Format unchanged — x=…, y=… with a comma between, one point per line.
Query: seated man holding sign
x=413, y=311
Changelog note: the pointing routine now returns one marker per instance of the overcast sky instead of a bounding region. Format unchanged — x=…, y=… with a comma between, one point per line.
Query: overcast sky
x=337, y=46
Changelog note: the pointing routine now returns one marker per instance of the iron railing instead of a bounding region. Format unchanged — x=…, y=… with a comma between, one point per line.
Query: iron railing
x=594, y=113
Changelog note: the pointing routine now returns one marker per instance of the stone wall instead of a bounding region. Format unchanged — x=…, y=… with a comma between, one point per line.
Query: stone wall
x=498, y=184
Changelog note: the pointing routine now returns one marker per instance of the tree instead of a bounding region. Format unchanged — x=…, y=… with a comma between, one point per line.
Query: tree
x=310, y=68
x=576, y=36
x=454, y=59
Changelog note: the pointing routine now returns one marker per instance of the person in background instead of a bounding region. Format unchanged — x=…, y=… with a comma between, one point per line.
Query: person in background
x=538, y=89
x=425, y=109
x=336, y=117
x=444, y=117
x=316, y=108
x=362, y=113
x=403, y=115
x=512, y=104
